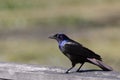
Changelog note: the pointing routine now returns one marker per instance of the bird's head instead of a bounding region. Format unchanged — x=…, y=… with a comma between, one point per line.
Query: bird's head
x=59, y=37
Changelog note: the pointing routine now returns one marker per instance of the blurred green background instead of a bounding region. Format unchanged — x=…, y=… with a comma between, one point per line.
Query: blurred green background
x=26, y=24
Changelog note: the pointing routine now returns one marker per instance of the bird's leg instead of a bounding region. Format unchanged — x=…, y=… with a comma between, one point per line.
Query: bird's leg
x=73, y=65
x=79, y=67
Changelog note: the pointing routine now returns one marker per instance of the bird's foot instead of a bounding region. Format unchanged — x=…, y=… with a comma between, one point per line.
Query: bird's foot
x=66, y=72
x=78, y=70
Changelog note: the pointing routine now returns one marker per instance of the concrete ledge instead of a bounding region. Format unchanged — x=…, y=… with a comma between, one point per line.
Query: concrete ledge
x=12, y=71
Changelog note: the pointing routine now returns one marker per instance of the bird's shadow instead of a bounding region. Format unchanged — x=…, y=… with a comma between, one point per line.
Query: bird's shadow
x=83, y=71
x=89, y=70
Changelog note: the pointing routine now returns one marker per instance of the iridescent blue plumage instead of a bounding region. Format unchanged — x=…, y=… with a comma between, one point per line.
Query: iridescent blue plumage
x=62, y=44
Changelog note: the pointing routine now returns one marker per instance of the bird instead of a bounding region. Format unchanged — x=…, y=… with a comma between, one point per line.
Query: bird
x=77, y=53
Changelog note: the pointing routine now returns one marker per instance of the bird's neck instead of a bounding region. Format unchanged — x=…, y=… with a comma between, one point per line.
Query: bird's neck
x=62, y=41
x=62, y=44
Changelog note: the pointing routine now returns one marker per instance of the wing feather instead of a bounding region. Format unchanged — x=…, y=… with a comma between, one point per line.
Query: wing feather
x=77, y=49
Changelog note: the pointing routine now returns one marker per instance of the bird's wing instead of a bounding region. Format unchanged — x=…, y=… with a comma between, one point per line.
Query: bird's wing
x=77, y=49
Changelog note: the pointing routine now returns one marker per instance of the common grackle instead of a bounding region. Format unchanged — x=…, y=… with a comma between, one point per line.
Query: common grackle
x=78, y=53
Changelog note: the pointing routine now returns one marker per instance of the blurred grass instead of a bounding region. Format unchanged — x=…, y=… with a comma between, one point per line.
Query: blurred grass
x=25, y=24
x=29, y=13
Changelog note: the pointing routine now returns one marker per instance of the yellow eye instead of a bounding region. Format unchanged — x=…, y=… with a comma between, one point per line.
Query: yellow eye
x=61, y=37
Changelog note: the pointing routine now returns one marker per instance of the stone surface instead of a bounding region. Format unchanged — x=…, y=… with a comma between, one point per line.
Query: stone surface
x=12, y=71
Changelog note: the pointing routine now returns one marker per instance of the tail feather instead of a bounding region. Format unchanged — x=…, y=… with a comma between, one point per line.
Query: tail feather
x=100, y=64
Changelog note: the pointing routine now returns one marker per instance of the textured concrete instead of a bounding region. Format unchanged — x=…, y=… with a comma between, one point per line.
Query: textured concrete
x=12, y=71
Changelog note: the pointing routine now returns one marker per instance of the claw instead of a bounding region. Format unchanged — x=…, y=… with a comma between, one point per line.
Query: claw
x=66, y=72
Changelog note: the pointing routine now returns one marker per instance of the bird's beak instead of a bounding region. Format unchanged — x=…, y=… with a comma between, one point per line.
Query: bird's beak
x=51, y=37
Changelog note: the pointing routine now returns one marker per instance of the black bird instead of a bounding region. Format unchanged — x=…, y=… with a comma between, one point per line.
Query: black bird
x=78, y=53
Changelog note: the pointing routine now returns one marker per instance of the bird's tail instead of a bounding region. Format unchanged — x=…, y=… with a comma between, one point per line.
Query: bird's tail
x=100, y=64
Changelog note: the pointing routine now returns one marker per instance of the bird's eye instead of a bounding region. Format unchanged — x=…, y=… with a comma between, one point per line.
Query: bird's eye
x=61, y=36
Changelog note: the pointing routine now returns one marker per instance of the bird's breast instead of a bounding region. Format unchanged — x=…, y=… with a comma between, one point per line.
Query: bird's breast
x=62, y=45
